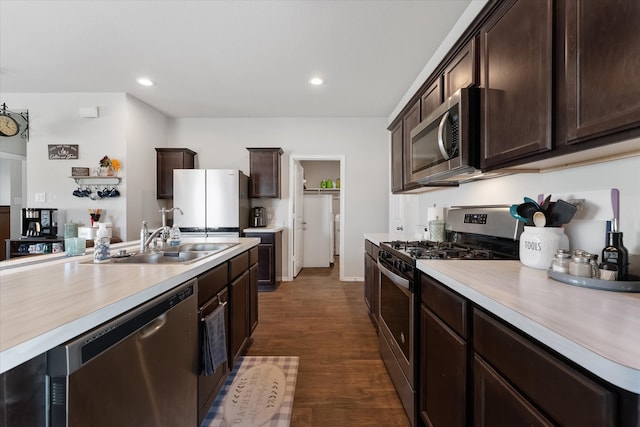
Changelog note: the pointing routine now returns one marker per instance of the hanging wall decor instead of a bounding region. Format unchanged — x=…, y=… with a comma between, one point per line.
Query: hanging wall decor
x=63, y=151
x=14, y=124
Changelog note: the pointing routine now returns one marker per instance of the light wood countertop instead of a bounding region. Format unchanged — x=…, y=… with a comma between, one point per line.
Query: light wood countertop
x=598, y=330
x=44, y=304
x=269, y=229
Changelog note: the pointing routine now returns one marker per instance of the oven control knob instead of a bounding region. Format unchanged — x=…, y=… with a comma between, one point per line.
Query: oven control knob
x=385, y=255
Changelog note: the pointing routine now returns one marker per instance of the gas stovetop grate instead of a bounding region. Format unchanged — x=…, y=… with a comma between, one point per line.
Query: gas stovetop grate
x=424, y=249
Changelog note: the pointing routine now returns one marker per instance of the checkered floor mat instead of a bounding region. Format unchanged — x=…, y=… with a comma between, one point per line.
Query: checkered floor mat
x=288, y=364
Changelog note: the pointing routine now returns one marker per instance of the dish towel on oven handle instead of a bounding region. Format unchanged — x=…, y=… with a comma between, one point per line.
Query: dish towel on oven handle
x=214, y=346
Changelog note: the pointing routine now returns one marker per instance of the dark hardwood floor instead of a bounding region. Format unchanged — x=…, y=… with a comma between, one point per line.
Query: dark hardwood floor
x=341, y=378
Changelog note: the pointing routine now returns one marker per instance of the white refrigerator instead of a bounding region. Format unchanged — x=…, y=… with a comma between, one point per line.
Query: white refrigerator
x=318, y=230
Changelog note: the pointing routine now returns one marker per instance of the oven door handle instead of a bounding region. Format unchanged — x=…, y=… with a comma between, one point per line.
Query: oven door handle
x=400, y=281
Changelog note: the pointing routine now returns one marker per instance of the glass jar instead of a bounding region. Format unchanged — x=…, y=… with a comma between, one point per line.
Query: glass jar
x=580, y=266
x=609, y=271
x=561, y=261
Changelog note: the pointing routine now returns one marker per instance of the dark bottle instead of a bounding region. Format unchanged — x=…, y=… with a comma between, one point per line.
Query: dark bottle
x=616, y=253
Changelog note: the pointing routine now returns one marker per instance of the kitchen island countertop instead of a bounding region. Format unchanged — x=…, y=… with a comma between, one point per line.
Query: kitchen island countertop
x=598, y=330
x=44, y=304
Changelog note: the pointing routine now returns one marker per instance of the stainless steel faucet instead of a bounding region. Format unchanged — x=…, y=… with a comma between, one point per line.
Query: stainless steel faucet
x=162, y=231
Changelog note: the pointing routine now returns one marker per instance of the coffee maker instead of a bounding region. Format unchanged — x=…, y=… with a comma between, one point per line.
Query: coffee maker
x=42, y=223
x=258, y=217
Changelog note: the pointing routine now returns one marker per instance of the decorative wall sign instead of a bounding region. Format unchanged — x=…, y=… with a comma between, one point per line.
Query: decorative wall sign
x=79, y=171
x=63, y=152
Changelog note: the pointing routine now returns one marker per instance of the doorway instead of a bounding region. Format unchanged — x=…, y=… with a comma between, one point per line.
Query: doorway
x=296, y=205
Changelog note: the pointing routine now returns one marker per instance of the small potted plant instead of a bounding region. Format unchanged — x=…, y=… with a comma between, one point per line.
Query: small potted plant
x=109, y=167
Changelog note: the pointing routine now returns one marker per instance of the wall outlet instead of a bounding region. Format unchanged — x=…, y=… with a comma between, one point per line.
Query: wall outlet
x=41, y=197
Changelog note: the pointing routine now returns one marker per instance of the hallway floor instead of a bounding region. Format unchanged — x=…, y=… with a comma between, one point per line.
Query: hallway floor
x=342, y=380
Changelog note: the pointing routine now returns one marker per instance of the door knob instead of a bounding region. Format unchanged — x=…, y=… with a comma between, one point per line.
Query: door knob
x=400, y=228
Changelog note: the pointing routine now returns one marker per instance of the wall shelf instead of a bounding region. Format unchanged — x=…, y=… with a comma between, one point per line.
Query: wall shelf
x=96, y=180
x=321, y=190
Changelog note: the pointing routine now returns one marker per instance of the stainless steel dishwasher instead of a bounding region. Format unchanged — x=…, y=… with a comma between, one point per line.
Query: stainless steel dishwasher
x=137, y=370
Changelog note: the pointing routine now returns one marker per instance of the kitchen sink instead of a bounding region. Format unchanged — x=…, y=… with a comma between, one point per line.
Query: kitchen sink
x=162, y=258
x=200, y=247
x=181, y=254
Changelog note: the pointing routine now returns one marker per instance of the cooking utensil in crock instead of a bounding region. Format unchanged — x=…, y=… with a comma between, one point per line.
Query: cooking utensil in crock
x=561, y=213
x=615, y=206
x=513, y=210
x=545, y=204
x=530, y=200
x=526, y=210
x=539, y=219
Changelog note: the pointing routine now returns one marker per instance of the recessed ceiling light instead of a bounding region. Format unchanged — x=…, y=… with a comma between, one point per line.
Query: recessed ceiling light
x=145, y=81
x=316, y=81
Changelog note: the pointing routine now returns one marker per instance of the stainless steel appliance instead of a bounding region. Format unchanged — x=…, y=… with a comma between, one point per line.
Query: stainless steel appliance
x=480, y=233
x=214, y=201
x=258, y=217
x=138, y=369
x=445, y=146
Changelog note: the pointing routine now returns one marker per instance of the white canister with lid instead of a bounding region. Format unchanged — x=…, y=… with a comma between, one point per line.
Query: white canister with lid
x=538, y=245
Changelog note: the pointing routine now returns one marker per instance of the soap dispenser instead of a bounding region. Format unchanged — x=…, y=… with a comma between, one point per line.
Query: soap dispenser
x=101, y=244
x=174, y=236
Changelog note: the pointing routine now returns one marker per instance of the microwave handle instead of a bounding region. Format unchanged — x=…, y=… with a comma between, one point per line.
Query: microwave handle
x=443, y=150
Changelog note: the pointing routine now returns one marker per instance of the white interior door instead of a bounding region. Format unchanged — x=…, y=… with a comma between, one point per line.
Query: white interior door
x=298, y=219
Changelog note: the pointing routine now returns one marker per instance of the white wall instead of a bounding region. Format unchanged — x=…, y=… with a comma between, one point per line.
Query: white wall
x=592, y=183
x=146, y=129
x=126, y=129
x=11, y=189
x=221, y=143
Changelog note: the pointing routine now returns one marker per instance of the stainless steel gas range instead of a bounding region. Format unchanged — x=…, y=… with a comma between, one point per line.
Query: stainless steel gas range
x=473, y=233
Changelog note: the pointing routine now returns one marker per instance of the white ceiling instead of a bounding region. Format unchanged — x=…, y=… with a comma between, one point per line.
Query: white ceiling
x=238, y=58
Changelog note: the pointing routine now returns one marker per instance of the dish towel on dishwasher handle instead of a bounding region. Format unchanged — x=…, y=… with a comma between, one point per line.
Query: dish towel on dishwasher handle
x=214, y=346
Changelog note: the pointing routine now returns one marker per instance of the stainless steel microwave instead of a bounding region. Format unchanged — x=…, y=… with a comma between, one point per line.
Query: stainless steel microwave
x=445, y=147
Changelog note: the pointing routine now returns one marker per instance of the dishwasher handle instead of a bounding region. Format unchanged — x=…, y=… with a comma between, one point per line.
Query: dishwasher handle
x=155, y=325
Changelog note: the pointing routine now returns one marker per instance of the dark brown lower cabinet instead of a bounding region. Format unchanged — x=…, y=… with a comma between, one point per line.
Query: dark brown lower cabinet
x=443, y=379
x=212, y=292
x=372, y=281
x=253, y=298
x=269, y=259
x=238, y=317
x=497, y=404
x=476, y=369
x=567, y=396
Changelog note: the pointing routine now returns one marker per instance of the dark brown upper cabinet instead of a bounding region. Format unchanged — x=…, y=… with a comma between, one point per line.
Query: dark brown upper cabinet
x=168, y=159
x=409, y=121
x=432, y=98
x=264, y=170
x=516, y=71
x=602, y=63
x=461, y=72
x=397, y=171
